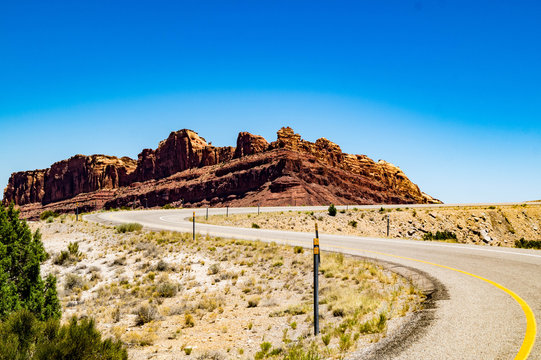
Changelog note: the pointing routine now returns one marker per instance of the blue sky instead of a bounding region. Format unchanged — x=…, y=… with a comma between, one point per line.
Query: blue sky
x=447, y=90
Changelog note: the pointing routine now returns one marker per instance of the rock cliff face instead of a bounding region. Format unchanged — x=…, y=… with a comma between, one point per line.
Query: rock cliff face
x=68, y=178
x=185, y=169
x=182, y=150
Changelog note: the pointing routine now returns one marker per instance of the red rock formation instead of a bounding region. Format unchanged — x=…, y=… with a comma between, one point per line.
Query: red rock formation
x=248, y=144
x=82, y=174
x=184, y=169
x=68, y=178
x=182, y=150
x=25, y=187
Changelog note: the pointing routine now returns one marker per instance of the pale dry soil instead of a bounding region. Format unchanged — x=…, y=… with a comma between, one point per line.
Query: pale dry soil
x=489, y=225
x=169, y=297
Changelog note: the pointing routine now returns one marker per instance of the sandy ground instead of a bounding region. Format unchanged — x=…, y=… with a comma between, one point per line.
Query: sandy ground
x=167, y=297
x=494, y=225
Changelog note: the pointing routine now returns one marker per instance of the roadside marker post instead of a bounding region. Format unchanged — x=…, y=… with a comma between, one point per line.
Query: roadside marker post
x=257, y=209
x=388, y=220
x=316, y=283
x=76, y=211
x=193, y=221
x=207, y=216
x=227, y=211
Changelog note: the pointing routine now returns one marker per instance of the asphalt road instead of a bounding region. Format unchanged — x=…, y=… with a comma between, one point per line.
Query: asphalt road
x=494, y=294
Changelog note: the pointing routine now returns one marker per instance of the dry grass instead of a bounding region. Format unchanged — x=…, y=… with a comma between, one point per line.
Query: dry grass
x=160, y=292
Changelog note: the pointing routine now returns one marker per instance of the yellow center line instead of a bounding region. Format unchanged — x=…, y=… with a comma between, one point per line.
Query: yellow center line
x=531, y=327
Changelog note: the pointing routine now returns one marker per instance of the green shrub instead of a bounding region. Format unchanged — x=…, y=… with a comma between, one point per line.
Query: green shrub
x=168, y=206
x=21, y=254
x=353, y=223
x=255, y=226
x=22, y=336
x=298, y=249
x=332, y=210
x=48, y=214
x=528, y=244
x=129, y=227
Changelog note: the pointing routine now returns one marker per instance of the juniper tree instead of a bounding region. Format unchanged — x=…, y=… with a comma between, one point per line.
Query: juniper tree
x=21, y=285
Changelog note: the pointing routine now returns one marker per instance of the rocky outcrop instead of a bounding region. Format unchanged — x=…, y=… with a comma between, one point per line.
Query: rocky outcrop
x=248, y=144
x=185, y=169
x=182, y=150
x=82, y=174
x=68, y=178
x=25, y=187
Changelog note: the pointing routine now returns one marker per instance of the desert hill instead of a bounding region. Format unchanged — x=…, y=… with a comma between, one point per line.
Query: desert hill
x=186, y=170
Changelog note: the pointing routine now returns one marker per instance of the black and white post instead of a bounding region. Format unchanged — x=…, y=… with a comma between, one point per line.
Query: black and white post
x=388, y=221
x=77, y=211
x=227, y=211
x=193, y=221
x=316, y=283
x=207, y=216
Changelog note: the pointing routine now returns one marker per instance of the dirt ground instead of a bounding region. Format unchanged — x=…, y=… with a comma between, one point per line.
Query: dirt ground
x=492, y=225
x=167, y=297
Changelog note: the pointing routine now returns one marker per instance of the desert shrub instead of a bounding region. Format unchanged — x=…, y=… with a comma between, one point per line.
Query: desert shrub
x=253, y=302
x=440, y=235
x=326, y=339
x=332, y=210
x=21, y=254
x=167, y=289
x=162, y=266
x=145, y=314
x=298, y=250
x=61, y=258
x=255, y=226
x=22, y=337
x=211, y=355
x=353, y=223
x=129, y=227
x=528, y=244
x=48, y=214
x=214, y=269
x=188, y=320
x=168, y=206
x=73, y=282
x=73, y=248
x=72, y=255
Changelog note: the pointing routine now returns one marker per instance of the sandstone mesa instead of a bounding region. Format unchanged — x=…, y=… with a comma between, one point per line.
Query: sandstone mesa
x=186, y=170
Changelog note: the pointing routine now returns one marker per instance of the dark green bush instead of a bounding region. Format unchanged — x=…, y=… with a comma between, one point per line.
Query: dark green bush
x=255, y=226
x=352, y=223
x=48, y=214
x=440, y=235
x=21, y=254
x=23, y=337
x=528, y=244
x=129, y=227
x=332, y=210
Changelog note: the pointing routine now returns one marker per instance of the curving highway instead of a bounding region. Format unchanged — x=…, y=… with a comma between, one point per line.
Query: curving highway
x=493, y=295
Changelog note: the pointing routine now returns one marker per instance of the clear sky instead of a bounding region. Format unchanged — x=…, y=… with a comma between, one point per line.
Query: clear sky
x=450, y=91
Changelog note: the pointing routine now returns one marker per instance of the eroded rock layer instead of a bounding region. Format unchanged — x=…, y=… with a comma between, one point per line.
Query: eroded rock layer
x=185, y=170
